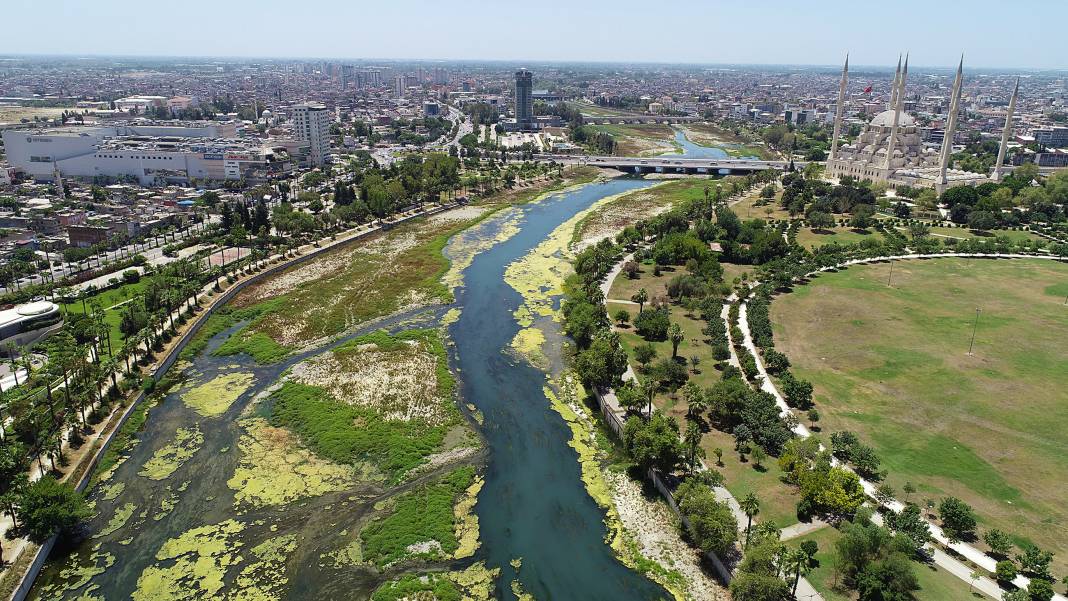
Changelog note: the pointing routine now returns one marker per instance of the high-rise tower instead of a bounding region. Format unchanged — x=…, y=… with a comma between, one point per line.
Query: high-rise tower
x=524, y=99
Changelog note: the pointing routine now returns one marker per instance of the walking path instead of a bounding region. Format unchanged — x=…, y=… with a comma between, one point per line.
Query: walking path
x=805, y=590
x=943, y=559
x=801, y=529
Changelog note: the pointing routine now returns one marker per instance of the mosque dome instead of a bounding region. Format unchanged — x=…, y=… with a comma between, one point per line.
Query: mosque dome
x=886, y=119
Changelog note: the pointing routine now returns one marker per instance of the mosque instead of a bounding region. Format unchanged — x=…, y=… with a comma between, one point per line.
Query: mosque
x=890, y=150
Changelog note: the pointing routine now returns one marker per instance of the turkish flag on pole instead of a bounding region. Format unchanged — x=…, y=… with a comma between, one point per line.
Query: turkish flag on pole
x=867, y=90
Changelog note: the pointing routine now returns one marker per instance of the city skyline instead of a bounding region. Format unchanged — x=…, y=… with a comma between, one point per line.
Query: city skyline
x=712, y=33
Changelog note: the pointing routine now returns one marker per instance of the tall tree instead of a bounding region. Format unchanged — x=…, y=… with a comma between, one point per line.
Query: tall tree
x=750, y=505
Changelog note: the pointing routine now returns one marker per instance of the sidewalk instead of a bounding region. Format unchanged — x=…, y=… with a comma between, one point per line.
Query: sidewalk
x=805, y=590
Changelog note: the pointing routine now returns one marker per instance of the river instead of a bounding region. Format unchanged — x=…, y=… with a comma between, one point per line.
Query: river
x=533, y=509
x=692, y=150
x=534, y=506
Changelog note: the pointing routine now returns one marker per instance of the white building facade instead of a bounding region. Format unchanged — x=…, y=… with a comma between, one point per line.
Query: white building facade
x=311, y=124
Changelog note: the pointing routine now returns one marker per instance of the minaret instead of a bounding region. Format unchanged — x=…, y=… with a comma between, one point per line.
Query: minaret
x=893, y=88
x=1006, y=132
x=951, y=125
x=840, y=108
x=900, y=97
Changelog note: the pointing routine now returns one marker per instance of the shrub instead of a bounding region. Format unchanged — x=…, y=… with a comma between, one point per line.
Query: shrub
x=1005, y=571
x=652, y=324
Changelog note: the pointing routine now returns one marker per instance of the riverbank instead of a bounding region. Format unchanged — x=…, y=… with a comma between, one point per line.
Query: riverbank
x=140, y=452
x=641, y=528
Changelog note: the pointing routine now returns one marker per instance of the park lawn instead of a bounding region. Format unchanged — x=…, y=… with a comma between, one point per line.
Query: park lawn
x=655, y=285
x=693, y=346
x=892, y=365
x=111, y=302
x=778, y=500
x=641, y=139
x=965, y=233
x=609, y=219
x=936, y=584
x=810, y=238
x=750, y=207
x=732, y=271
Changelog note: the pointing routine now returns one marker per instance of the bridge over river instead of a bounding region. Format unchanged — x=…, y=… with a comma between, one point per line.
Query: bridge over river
x=721, y=166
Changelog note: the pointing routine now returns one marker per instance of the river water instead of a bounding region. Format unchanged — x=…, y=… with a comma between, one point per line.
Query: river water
x=533, y=507
x=691, y=150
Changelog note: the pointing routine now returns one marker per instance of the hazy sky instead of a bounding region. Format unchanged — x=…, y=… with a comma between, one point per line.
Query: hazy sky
x=1016, y=33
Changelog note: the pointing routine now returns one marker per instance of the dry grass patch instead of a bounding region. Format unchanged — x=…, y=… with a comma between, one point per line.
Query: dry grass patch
x=891, y=363
x=395, y=378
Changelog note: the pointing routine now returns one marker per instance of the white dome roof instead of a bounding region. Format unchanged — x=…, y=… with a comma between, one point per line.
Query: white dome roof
x=886, y=119
x=35, y=308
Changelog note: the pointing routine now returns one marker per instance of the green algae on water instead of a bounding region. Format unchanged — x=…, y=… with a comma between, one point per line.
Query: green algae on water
x=275, y=469
x=118, y=520
x=166, y=460
x=214, y=397
x=192, y=565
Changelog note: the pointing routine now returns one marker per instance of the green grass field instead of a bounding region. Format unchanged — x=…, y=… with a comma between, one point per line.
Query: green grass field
x=641, y=139
x=111, y=302
x=810, y=238
x=936, y=584
x=893, y=365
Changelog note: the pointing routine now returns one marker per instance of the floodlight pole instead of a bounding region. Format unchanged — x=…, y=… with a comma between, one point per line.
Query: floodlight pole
x=891, y=276
x=971, y=345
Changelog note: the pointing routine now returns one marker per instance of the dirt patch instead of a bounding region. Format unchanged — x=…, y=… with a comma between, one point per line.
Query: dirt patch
x=400, y=384
x=655, y=531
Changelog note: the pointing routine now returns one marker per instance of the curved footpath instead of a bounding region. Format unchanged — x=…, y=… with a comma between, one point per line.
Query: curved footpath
x=615, y=415
x=941, y=558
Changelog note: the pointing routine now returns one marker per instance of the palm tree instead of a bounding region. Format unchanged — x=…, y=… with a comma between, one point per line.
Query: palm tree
x=751, y=506
x=797, y=560
x=640, y=297
x=648, y=387
x=692, y=439
x=676, y=335
x=694, y=397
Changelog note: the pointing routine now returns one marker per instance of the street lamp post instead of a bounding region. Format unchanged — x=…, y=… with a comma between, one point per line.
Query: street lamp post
x=975, y=327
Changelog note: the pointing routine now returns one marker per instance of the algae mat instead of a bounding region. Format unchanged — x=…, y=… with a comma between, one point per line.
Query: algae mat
x=214, y=397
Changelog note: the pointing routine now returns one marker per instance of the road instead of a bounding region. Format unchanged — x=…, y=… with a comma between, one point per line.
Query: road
x=152, y=250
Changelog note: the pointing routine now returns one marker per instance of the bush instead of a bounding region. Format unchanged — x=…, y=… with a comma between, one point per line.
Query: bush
x=1005, y=572
x=325, y=426
x=652, y=324
x=713, y=527
x=48, y=506
x=425, y=514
